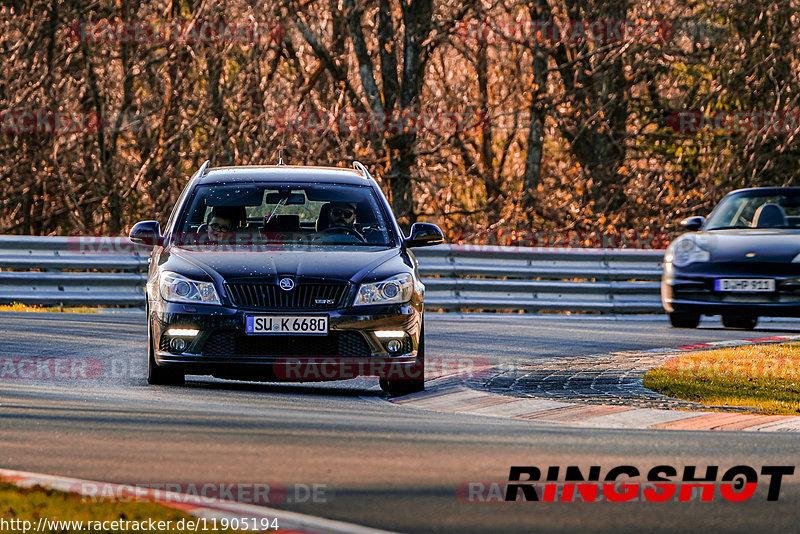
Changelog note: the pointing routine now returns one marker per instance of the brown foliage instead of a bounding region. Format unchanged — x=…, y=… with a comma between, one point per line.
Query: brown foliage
x=568, y=134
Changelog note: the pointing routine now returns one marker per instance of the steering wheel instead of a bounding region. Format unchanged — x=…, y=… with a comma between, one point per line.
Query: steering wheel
x=343, y=230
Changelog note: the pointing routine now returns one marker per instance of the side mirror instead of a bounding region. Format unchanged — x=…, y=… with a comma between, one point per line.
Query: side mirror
x=424, y=235
x=146, y=233
x=693, y=224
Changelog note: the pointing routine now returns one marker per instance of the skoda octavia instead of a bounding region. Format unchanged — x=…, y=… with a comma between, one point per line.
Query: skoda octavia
x=741, y=263
x=285, y=273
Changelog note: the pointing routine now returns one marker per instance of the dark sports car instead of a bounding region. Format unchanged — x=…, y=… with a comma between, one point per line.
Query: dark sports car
x=741, y=263
x=285, y=273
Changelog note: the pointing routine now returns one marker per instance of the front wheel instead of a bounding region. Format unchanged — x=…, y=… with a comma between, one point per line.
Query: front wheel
x=396, y=387
x=743, y=322
x=159, y=375
x=684, y=319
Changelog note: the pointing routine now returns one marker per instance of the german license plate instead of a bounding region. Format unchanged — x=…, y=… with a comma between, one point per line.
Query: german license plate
x=744, y=285
x=304, y=325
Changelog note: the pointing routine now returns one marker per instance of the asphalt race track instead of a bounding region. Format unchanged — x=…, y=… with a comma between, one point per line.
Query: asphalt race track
x=375, y=463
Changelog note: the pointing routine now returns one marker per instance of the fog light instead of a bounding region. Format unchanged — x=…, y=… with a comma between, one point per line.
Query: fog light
x=177, y=344
x=393, y=345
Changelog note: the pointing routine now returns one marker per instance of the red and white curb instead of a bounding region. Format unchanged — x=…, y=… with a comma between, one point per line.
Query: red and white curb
x=460, y=399
x=730, y=343
x=203, y=507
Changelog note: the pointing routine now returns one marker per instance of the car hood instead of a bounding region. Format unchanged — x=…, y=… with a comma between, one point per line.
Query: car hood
x=763, y=244
x=330, y=262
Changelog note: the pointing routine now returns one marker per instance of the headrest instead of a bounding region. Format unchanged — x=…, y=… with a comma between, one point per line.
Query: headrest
x=769, y=216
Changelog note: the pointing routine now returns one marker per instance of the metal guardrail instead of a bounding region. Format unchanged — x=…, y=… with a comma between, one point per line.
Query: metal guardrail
x=111, y=271
x=71, y=272
x=470, y=277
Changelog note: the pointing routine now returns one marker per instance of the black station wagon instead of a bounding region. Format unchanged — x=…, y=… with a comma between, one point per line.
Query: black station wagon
x=285, y=273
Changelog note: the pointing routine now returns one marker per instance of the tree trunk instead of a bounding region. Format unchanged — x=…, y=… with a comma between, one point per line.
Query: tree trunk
x=537, y=112
x=402, y=159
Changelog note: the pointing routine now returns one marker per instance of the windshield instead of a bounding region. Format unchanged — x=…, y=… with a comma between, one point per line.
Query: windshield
x=757, y=209
x=294, y=214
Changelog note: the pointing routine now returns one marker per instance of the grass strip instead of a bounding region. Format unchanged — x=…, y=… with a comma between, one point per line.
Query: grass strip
x=19, y=307
x=30, y=504
x=765, y=378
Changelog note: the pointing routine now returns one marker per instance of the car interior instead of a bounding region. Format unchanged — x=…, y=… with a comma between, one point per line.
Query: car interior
x=759, y=212
x=286, y=216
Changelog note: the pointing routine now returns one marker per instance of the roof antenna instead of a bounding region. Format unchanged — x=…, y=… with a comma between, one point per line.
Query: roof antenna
x=280, y=157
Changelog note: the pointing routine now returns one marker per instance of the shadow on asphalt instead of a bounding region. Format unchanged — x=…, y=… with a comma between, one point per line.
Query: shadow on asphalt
x=271, y=387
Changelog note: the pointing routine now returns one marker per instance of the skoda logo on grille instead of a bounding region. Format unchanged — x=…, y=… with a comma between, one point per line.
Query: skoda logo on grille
x=287, y=284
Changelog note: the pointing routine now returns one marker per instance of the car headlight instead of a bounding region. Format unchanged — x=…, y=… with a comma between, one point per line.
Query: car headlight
x=177, y=288
x=686, y=251
x=796, y=259
x=396, y=289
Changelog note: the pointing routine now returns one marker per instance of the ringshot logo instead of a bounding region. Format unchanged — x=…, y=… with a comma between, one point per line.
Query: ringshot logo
x=663, y=483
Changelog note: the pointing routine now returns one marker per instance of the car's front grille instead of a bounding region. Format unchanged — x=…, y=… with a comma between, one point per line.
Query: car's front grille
x=228, y=343
x=304, y=296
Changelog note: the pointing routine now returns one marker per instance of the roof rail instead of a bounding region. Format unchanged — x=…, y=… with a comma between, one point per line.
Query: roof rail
x=203, y=167
x=357, y=165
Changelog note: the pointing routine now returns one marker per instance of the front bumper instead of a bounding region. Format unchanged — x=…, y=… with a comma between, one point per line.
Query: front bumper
x=222, y=348
x=691, y=289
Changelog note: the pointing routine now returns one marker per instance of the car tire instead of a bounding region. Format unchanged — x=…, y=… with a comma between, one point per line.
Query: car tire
x=159, y=376
x=684, y=319
x=742, y=322
x=400, y=387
